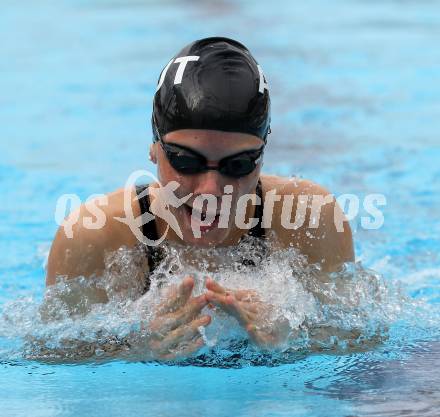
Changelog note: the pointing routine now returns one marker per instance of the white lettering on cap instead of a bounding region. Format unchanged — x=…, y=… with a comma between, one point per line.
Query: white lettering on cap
x=263, y=82
x=182, y=61
x=162, y=75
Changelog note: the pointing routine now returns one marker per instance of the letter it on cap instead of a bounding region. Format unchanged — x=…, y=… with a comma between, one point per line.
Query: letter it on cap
x=182, y=61
x=162, y=75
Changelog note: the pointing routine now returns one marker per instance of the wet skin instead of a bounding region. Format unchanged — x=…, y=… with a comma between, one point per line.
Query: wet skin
x=180, y=315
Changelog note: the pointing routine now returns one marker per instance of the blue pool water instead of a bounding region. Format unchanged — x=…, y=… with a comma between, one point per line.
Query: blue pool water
x=355, y=90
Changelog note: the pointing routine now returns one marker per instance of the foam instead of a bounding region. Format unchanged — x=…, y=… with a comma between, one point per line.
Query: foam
x=349, y=310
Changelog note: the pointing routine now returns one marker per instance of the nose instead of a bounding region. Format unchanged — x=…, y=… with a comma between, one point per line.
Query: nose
x=210, y=182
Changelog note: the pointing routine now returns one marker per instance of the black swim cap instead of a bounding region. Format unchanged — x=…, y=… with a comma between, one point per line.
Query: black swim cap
x=213, y=83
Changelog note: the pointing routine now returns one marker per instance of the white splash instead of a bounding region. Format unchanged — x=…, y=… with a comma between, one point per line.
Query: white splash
x=100, y=317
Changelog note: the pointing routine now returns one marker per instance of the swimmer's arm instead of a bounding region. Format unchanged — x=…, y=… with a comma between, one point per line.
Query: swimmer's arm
x=87, y=264
x=330, y=243
x=80, y=251
x=72, y=257
x=76, y=250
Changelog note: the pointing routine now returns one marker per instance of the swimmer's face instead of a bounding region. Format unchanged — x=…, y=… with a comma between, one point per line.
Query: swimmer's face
x=214, y=145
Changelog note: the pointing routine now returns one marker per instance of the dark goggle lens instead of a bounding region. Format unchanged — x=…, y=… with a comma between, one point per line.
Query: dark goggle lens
x=238, y=166
x=186, y=164
x=182, y=160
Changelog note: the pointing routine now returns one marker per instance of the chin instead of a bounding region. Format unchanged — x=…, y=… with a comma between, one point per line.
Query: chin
x=214, y=237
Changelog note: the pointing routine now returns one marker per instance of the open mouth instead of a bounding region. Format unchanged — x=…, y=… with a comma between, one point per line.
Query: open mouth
x=202, y=215
x=196, y=218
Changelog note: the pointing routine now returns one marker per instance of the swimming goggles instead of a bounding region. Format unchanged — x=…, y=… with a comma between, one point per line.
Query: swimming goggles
x=188, y=161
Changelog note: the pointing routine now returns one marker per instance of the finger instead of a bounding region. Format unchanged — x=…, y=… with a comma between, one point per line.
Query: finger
x=260, y=338
x=252, y=307
x=161, y=326
x=247, y=316
x=185, y=350
x=184, y=333
x=245, y=312
x=191, y=310
x=192, y=347
x=241, y=295
x=215, y=286
x=184, y=291
x=171, y=343
x=264, y=338
x=165, y=323
x=246, y=295
x=178, y=296
x=193, y=331
x=229, y=304
x=225, y=301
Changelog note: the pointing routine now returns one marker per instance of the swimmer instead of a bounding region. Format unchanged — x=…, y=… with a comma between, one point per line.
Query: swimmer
x=210, y=123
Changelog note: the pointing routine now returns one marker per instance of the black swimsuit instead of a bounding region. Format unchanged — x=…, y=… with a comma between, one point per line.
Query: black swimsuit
x=155, y=254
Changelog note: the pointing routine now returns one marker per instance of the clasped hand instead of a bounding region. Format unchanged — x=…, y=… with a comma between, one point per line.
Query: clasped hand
x=174, y=331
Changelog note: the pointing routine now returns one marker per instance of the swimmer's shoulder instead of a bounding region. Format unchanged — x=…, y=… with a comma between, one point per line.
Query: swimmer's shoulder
x=88, y=233
x=326, y=239
x=290, y=185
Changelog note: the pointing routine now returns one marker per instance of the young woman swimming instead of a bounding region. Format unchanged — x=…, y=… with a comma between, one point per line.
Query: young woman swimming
x=211, y=121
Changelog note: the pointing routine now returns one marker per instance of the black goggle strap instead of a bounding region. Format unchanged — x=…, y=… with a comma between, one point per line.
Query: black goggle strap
x=154, y=129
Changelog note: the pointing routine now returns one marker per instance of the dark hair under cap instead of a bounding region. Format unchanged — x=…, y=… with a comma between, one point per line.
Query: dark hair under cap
x=212, y=83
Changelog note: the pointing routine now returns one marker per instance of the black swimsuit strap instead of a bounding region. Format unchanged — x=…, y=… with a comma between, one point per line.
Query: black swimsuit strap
x=148, y=229
x=154, y=253
x=258, y=230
